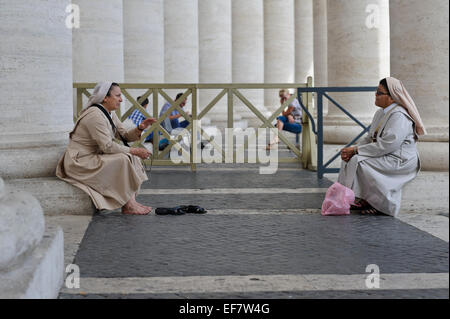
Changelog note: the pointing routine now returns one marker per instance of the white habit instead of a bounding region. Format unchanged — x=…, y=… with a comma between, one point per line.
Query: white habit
x=379, y=171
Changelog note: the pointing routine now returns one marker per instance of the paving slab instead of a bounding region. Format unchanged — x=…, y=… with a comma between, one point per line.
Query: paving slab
x=179, y=179
x=257, y=225
x=195, y=245
x=353, y=294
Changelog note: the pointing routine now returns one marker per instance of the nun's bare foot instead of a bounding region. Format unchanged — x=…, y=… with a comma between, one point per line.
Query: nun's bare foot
x=360, y=204
x=133, y=209
x=133, y=202
x=143, y=206
x=363, y=203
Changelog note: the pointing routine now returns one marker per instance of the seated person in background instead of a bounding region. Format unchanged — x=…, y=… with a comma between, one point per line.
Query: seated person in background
x=110, y=173
x=386, y=158
x=174, y=116
x=291, y=119
x=137, y=117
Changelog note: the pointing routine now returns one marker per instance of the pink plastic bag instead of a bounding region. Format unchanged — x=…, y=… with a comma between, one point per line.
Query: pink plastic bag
x=338, y=200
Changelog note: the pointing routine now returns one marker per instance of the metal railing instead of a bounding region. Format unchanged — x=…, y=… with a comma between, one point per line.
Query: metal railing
x=306, y=156
x=321, y=93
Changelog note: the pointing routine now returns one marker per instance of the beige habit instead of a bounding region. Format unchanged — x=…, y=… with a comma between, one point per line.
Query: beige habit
x=96, y=164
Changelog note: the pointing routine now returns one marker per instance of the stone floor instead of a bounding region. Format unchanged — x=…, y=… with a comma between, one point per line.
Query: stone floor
x=263, y=237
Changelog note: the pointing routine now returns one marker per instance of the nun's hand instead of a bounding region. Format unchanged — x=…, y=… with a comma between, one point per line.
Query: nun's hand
x=146, y=123
x=347, y=153
x=140, y=152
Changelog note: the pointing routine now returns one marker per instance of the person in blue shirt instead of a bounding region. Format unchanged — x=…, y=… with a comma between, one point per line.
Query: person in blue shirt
x=172, y=121
x=137, y=117
x=174, y=115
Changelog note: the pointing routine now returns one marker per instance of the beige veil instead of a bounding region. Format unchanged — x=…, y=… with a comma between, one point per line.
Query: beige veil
x=100, y=91
x=402, y=98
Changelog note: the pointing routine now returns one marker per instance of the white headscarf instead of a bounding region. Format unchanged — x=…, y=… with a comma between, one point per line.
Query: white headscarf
x=99, y=94
x=402, y=98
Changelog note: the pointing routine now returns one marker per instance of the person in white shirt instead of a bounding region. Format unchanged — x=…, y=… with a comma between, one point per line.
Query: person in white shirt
x=291, y=119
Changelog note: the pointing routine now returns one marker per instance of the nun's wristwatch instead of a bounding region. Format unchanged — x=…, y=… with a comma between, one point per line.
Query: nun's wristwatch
x=139, y=128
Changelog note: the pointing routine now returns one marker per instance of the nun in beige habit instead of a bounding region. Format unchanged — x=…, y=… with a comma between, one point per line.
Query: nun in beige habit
x=386, y=158
x=110, y=173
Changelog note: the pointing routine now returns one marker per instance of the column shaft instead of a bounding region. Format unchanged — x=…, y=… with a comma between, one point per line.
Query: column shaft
x=357, y=36
x=36, y=82
x=279, y=47
x=304, y=40
x=144, y=40
x=419, y=58
x=248, y=50
x=181, y=44
x=98, y=43
x=214, y=52
x=143, y=22
x=320, y=46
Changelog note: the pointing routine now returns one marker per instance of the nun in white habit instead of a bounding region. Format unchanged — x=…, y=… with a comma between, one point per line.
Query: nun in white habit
x=386, y=158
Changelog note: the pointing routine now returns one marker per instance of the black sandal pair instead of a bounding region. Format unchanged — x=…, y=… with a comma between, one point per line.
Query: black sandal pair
x=180, y=210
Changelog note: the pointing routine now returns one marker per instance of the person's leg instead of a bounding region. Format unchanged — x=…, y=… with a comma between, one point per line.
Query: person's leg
x=149, y=138
x=295, y=128
x=163, y=143
x=175, y=123
x=280, y=126
x=184, y=124
x=281, y=121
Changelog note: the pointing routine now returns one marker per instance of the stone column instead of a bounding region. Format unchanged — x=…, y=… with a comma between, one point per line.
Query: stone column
x=304, y=40
x=357, y=40
x=98, y=44
x=181, y=48
x=143, y=25
x=279, y=47
x=214, y=27
x=248, y=51
x=36, y=108
x=320, y=77
x=36, y=82
x=419, y=58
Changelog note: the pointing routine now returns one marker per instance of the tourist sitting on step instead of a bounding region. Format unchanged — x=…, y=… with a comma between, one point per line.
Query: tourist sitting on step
x=110, y=173
x=386, y=158
x=174, y=116
x=137, y=117
x=291, y=119
x=172, y=124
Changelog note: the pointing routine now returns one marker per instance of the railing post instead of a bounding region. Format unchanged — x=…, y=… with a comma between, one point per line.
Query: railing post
x=230, y=156
x=79, y=103
x=320, y=171
x=155, y=132
x=306, y=148
x=309, y=148
x=312, y=138
x=194, y=141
